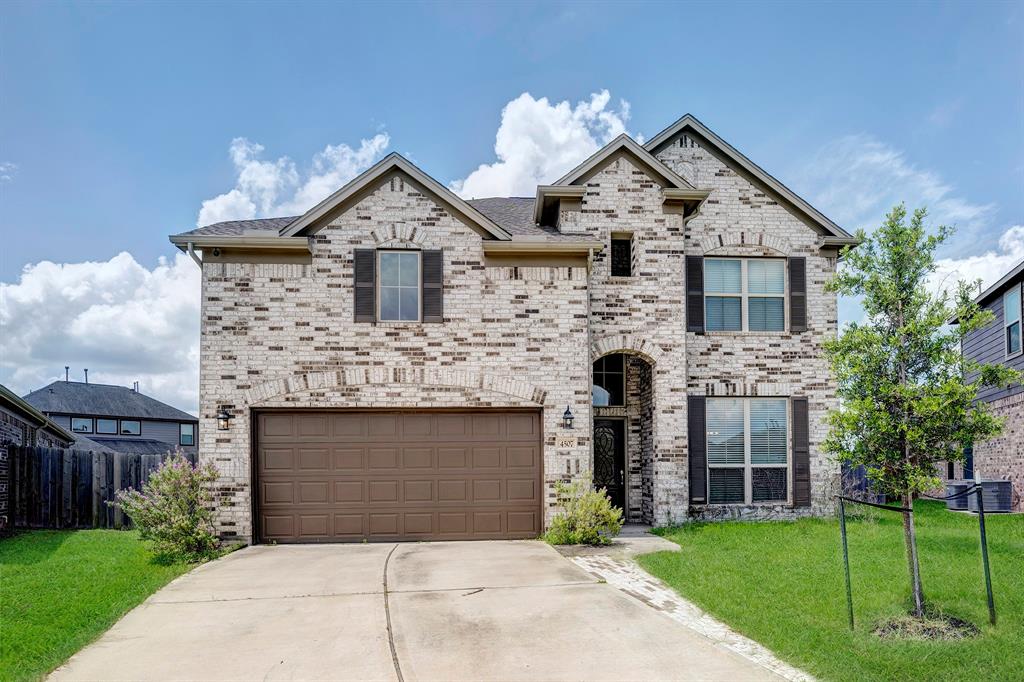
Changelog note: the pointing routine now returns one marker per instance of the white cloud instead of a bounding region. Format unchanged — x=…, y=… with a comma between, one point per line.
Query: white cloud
x=277, y=188
x=7, y=171
x=117, y=318
x=988, y=267
x=856, y=179
x=538, y=142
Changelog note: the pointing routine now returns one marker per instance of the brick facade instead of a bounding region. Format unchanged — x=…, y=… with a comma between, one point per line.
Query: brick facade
x=1002, y=458
x=282, y=335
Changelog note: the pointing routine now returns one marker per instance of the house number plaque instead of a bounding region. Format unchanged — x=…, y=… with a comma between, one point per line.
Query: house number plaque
x=565, y=442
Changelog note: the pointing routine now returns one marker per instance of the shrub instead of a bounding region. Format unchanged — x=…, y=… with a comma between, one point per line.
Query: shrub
x=173, y=510
x=587, y=517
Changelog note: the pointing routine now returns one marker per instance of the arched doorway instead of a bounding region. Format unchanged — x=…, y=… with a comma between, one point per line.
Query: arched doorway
x=623, y=400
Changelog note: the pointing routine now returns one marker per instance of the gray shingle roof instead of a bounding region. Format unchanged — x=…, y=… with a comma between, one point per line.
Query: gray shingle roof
x=89, y=445
x=101, y=400
x=136, y=446
x=513, y=214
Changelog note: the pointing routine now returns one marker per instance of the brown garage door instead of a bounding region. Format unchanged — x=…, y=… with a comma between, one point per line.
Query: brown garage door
x=350, y=476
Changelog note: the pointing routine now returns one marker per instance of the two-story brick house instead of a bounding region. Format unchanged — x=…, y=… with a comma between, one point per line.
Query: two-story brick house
x=400, y=363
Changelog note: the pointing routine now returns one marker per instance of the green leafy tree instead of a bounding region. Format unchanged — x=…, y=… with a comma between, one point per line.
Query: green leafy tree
x=907, y=393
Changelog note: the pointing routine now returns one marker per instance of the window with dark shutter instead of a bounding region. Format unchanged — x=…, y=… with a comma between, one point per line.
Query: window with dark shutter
x=365, y=285
x=798, y=294
x=801, y=454
x=622, y=257
x=695, y=294
x=433, y=286
x=696, y=411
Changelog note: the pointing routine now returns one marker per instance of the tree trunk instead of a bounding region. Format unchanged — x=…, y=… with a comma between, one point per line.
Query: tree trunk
x=910, y=538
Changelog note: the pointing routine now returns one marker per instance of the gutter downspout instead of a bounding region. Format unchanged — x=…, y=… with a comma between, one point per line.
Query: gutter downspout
x=193, y=256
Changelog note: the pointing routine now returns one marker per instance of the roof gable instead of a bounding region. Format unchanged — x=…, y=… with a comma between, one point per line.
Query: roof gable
x=728, y=154
x=321, y=214
x=624, y=144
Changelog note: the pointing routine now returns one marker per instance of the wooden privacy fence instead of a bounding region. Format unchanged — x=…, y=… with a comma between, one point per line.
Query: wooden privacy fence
x=53, y=488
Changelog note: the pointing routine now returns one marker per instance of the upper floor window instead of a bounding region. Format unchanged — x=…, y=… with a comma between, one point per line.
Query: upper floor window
x=609, y=388
x=747, y=450
x=81, y=424
x=186, y=434
x=107, y=426
x=131, y=427
x=399, y=286
x=745, y=294
x=622, y=256
x=1012, y=320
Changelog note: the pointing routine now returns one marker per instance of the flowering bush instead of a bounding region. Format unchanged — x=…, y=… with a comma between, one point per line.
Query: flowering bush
x=173, y=509
x=587, y=518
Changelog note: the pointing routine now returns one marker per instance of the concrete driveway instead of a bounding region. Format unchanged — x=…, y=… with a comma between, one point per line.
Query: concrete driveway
x=436, y=611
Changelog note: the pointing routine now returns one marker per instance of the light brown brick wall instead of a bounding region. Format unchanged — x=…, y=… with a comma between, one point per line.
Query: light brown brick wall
x=1002, y=458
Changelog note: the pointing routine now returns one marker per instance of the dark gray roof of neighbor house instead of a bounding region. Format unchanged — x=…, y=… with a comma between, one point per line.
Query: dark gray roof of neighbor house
x=102, y=400
x=136, y=446
x=513, y=214
x=89, y=445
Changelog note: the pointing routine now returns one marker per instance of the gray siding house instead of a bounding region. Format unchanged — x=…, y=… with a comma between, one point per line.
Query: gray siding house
x=116, y=417
x=1002, y=342
x=400, y=363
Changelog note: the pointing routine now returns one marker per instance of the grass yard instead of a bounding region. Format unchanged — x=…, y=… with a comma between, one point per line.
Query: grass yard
x=782, y=585
x=59, y=590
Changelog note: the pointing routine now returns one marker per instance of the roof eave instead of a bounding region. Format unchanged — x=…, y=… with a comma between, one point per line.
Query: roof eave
x=274, y=243
x=542, y=246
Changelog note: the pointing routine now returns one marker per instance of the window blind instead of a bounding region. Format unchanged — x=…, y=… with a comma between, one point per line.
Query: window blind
x=722, y=276
x=725, y=431
x=768, y=431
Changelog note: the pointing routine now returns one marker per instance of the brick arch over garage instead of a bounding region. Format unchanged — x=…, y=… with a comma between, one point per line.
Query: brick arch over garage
x=734, y=238
x=633, y=344
x=395, y=376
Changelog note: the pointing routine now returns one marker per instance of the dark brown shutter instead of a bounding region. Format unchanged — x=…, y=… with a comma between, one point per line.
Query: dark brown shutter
x=696, y=410
x=801, y=454
x=695, y=294
x=433, y=286
x=798, y=294
x=365, y=284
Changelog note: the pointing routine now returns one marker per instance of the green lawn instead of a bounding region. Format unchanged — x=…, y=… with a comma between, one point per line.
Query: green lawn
x=782, y=585
x=59, y=590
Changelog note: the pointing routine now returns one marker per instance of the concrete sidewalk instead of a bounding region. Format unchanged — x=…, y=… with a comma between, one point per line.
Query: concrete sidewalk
x=457, y=611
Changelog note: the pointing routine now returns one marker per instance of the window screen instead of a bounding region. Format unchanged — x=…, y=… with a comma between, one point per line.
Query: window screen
x=399, y=286
x=747, y=450
x=622, y=257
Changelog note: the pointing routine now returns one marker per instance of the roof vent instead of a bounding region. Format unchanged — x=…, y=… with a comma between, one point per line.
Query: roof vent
x=86, y=375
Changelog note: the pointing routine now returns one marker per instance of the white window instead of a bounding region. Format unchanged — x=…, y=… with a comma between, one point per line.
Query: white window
x=1012, y=320
x=747, y=450
x=745, y=294
x=398, y=292
x=81, y=424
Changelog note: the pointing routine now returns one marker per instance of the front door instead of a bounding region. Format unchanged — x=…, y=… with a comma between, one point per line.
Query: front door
x=610, y=459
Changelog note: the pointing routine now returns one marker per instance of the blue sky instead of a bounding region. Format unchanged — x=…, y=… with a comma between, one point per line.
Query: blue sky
x=117, y=120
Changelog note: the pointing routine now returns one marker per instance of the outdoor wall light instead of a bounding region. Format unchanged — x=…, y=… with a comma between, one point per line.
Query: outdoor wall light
x=223, y=417
x=567, y=418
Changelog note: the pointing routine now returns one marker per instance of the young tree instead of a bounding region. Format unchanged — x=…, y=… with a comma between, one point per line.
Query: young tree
x=907, y=394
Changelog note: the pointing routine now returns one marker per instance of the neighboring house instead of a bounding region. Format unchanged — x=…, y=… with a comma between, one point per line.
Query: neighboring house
x=22, y=424
x=400, y=363
x=116, y=417
x=1002, y=342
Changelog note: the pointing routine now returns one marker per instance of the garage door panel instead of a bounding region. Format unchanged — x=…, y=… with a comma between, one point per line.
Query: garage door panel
x=418, y=491
x=398, y=476
x=417, y=458
x=383, y=491
x=318, y=459
x=383, y=458
x=348, y=459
